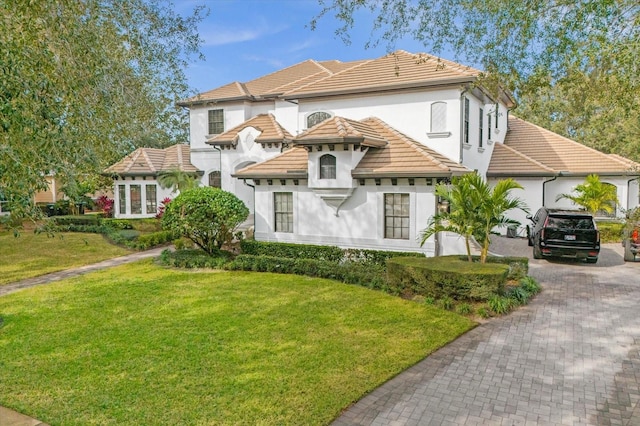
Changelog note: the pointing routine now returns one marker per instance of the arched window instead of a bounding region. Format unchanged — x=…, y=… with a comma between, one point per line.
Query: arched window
x=214, y=179
x=327, y=167
x=438, y=117
x=317, y=117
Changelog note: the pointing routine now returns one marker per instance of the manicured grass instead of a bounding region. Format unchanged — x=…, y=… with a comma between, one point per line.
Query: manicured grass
x=139, y=344
x=30, y=255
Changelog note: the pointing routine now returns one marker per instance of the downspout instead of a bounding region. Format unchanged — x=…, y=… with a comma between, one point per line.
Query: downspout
x=544, y=189
x=254, y=205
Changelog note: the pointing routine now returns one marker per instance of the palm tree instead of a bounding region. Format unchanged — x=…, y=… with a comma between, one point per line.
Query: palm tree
x=476, y=210
x=460, y=218
x=492, y=207
x=594, y=195
x=177, y=179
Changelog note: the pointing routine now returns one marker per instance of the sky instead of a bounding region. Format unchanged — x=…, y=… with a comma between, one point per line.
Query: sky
x=246, y=39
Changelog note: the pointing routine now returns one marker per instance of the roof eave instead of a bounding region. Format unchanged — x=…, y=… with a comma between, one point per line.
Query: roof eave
x=386, y=88
x=213, y=101
x=280, y=175
x=362, y=174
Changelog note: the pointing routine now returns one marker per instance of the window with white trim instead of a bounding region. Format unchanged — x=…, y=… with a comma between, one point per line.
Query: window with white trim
x=489, y=126
x=327, y=167
x=283, y=211
x=466, y=121
x=136, y=199
x=152, y=199
x=215, y=179
x=122, y=199
x=438, y=117
x=216, y=121
x=317, y=118
x=480, y=128
x=396, y=216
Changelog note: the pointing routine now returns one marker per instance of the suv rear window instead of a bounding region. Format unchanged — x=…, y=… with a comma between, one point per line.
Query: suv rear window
x=569, y=222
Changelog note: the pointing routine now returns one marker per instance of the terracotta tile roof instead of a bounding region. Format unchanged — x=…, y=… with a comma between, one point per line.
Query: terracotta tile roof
x=554, y=152
x=403, y=157
x=271, y=131
x=505, y=160
x=396, y=70
x=292, y=163
x=340, y=130
x=278, y=82
x=151, y=161
x=400, y=156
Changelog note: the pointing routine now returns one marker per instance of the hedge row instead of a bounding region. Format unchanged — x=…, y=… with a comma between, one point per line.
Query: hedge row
x=450, y=276
x=325, y=253
x=518, y=266
x=350, y=273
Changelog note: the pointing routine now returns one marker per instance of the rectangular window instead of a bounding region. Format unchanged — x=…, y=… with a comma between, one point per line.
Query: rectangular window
x=396, y=216
x=481, y=128
x=497, y=113
x=466, y=121
x=489, y=126
x=216, y=121
x=152, y=199
x=122, y=199
x=136, y=199
x=283, y=208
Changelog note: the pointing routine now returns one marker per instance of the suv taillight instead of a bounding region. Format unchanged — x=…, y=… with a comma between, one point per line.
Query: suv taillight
x=634, y=235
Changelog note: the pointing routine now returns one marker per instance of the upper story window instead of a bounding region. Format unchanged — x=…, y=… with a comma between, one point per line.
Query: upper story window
x=480, y=127
x=216, y=121
x=316, y=118
x=327, y=167
x=466, y=121
x=497, y=113
x=438, y=117
x=489, y=126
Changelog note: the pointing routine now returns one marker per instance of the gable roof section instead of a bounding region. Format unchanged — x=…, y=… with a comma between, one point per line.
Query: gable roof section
x=340, y=130
x=151, y=161
x=396, y=70
x=399, y=156
x=273, y=84
x=271, y=132
x=554, y=153
x=403, y=157
x=292, y=164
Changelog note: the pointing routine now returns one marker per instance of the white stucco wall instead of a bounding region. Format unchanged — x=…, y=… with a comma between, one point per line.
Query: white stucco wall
x=407, y=112
x=359, y=224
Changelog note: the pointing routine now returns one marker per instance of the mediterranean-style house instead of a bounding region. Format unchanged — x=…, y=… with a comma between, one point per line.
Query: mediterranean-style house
x=349, y=153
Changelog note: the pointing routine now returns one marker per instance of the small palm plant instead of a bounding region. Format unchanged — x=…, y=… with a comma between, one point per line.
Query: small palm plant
x=593, y=195
x=177, y=179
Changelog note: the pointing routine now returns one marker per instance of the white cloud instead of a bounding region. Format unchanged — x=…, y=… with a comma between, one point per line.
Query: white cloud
x=219, y=35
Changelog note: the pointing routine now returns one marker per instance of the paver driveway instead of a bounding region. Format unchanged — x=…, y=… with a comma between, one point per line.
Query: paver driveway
x=571, y=357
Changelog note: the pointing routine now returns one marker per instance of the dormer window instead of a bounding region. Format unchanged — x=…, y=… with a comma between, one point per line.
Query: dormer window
x=316, y=118
x=327, y=167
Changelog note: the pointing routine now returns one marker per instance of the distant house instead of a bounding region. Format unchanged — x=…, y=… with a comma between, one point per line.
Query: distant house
x=137, y=193
x=349, y=153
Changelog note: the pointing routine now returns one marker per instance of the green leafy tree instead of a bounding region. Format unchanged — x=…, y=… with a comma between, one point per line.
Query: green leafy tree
x=573, y=65
x=177, y=180
x=593, y=195
x=86, y=82
x=476, y=210
x=205, y=215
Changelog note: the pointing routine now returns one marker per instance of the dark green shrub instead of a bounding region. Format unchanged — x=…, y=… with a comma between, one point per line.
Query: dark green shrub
x=464, y=309
x=610, y=232
x=118, y=223
x=428, y=300
x=445, y=276
x=445, y=303
x=82, y=220
x=519, y=295
x=291, y=251
x=193, y=258
x=500, y=305
x=483, y=312
x=518, y=266
x=147, y=225
x=530, y=285
x=375, y=257
x=146, y=241
x=205, y=215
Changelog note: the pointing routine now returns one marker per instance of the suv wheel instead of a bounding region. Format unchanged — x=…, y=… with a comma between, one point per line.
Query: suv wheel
x=628, y=256
x=537, y=252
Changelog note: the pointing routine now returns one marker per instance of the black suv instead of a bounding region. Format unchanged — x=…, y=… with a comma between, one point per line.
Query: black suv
x=564, y=233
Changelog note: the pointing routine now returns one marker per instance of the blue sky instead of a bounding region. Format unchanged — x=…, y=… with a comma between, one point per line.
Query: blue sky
x=245, y=39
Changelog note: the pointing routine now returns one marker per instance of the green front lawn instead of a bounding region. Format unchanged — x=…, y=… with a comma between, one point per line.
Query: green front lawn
x=139, y=344
x=30, y=255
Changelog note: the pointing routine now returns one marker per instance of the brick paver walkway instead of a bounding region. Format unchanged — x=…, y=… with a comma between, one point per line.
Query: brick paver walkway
x=571, y=357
